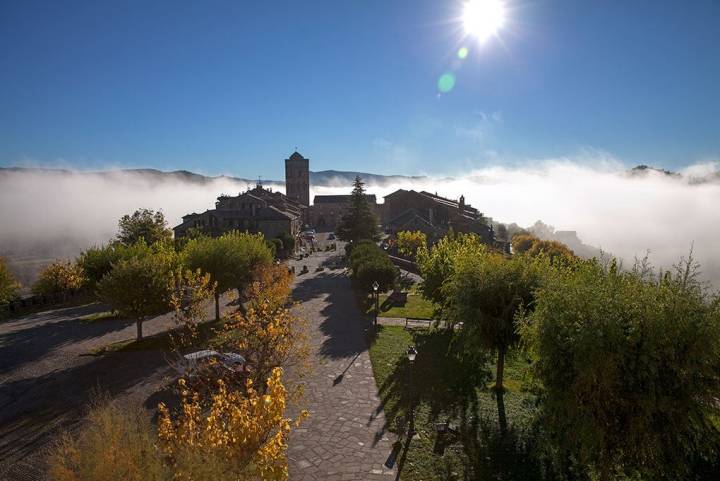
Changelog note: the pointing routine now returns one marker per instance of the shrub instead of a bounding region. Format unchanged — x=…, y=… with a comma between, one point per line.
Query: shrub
x=629, y=363
x=523, y=242
x=8, y=285
x=234, y=435
x=409, y=243
x=60, y=277
x=369, y=264
x=115, y=444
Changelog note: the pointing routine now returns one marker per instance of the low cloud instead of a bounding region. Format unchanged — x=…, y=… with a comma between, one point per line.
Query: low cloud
x=51, y=214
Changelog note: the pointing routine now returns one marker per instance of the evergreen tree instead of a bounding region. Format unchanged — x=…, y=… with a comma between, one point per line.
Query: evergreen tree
x=359, y=222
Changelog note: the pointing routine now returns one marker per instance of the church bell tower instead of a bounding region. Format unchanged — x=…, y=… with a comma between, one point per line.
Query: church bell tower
x=297, y=178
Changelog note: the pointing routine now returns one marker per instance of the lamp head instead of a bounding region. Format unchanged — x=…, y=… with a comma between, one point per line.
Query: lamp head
x=411, y=353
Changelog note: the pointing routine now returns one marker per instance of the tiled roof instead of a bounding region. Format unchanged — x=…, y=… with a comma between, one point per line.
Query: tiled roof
x=339, y=199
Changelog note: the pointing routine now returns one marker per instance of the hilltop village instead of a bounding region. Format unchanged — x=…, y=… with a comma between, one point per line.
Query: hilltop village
x=275, y=214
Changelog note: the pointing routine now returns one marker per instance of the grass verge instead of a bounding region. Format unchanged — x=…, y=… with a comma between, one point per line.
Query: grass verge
x=163, y=341
x=448, y=383
x=101, y=316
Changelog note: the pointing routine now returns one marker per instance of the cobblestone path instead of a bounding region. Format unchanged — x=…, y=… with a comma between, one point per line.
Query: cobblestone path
x=344, y=437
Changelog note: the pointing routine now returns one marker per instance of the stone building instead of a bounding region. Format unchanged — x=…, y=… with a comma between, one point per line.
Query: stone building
x=257, y=210
x=327, y=210
x=297, y=178
x=433, y=215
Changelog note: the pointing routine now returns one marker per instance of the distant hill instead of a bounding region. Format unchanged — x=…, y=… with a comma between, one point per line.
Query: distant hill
x=338, y=177
x=705, y=174
x=325, y=178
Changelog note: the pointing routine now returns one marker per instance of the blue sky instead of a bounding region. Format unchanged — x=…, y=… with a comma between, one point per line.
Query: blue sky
x=232, y=87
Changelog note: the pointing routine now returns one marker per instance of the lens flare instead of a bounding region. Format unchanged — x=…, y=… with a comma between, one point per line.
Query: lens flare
x=446, y=82
x=483, y=18
x=462, y=53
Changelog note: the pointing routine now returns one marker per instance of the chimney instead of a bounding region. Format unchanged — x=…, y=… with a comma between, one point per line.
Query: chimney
x=461, y=204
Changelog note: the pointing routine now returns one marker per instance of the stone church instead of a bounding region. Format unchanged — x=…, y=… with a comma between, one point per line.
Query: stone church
x=273, y=213
x=258, y=209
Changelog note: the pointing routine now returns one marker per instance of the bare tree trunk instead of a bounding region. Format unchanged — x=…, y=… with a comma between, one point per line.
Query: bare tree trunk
x=217, y=305
x=139, y=324
x=502, y=417
x=500, y=369
x=604, y=470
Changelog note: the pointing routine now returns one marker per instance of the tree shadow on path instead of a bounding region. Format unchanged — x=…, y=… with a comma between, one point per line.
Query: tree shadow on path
x=344, y=326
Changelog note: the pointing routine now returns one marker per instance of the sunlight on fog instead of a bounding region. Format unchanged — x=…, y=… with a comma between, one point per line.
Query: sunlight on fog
x=625, y=215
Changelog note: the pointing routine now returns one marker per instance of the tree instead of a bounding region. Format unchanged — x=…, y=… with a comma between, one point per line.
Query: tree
x=370, y=264
x=59, y=278
x=143, y=224
x=288, y=243
x=96, y=262
x=554, y=250
x=212, y=255
x=8, y=285
x=485, y=292
x=523, y=242
x=437, y=264
x=267, y=335
x=410, y=242
x=140, y=287
x=359, y=222
x=231, y=260
x=246, y=253
x=629, y=363
x=270, y=285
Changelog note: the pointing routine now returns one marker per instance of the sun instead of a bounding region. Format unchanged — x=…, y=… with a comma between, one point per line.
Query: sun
x=483, y=18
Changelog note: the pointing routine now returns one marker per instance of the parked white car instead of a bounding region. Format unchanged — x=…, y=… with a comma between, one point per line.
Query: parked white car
x=194, y=363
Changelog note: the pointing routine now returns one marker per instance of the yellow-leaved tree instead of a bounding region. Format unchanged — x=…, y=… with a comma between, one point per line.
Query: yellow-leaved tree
x=409, y=242
x=268, y=335
x=241, y=435
x=59, y=278
x=235, y=430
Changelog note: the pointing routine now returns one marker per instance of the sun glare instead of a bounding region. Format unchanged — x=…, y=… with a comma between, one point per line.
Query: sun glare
x=483, y=18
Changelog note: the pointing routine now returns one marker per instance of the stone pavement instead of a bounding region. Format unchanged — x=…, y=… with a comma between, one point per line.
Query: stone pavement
x=344, y=437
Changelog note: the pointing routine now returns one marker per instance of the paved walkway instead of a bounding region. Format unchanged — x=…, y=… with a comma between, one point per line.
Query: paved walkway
x=344, y=438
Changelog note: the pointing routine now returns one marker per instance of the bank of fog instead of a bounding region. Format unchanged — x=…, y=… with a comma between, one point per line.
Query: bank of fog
x=48, y=215
x=622, y=214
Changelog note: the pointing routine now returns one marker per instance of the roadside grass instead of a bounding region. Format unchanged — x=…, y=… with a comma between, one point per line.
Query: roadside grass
x=101, y=316
x=447, y=383
x=165, y=341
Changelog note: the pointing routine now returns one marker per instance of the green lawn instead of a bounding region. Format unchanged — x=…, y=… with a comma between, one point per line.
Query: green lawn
x=416, y=307
x=449, y=383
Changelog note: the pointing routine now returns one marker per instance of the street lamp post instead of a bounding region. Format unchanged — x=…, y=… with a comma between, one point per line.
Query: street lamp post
x=375, y=287
x=411, y=355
